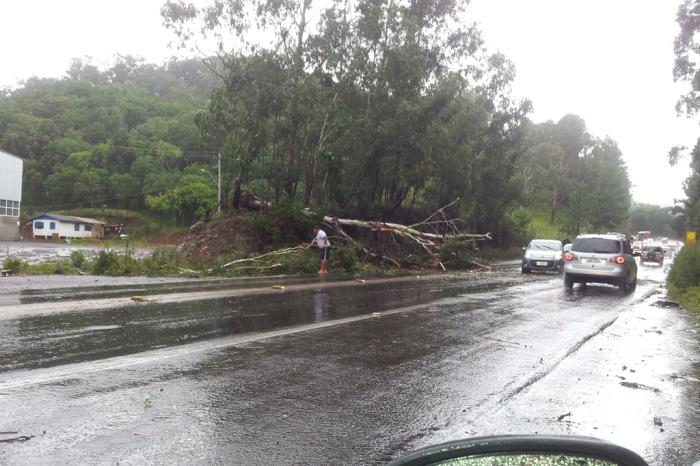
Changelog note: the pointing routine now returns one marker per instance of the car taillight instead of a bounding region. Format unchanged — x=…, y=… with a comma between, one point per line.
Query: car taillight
x=568, y=256
x=619, y=260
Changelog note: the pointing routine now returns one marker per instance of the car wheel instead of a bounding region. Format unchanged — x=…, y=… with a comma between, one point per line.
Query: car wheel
x=568, y=281
x=624, y=284
x=633, y=286
x=524, y=270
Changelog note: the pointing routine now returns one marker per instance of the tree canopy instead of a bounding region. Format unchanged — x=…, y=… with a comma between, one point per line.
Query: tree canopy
x=382, y=109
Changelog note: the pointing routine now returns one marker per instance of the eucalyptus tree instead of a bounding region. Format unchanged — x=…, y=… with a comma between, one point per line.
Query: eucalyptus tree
x=372, y=104
x=687, y=69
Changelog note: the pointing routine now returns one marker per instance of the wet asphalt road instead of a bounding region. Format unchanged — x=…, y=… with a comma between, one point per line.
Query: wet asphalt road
x=341, y=372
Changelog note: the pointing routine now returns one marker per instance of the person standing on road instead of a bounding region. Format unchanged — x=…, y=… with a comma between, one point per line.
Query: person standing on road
x=324, y=247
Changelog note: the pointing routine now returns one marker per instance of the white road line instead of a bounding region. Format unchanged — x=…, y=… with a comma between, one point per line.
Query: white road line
x=78, y=369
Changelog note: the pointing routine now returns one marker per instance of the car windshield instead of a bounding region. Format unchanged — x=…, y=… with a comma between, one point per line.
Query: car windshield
x=545, y=246
x=597, y=245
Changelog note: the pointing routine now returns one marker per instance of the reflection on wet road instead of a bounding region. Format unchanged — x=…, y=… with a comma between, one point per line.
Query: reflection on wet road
x=357, y=373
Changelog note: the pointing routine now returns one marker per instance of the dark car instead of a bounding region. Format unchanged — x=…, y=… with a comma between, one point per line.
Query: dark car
x=653, y=254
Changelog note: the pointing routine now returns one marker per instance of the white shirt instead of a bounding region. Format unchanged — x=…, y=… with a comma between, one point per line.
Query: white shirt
x=322, y=239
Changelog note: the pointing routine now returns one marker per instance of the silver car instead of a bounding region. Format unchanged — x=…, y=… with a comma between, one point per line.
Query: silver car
x=544, y=255
x=601, y=259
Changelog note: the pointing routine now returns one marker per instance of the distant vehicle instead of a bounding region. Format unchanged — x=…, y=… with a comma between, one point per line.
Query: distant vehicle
x=653, y=254
x=601, y=259
x=644, y=236
x=673, y=247
x=637, y=248
x=543, y=255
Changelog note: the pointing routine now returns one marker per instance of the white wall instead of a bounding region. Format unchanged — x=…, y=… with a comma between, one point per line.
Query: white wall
x=63, y=229
x=10, y=177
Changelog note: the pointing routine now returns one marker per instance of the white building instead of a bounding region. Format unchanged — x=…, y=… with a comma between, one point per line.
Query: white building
x=10, y=195
x=54, y=226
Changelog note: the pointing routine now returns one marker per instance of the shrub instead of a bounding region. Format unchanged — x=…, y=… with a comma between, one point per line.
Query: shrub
x=106, y=263
x=283, y=225
x=513, y=229
x=690, y=299
x=345, y=257
x=77, y=258
x=49, y=268
x=457, y=254
x=14, y=264
x=162, y=260
x=302, y=262
x=685, y=271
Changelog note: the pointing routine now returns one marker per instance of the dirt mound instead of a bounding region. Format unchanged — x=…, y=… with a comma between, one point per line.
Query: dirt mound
x=221, y=236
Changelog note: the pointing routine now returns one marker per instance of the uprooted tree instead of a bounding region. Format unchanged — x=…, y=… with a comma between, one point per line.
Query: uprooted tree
x=443, y=229
x=419, y=244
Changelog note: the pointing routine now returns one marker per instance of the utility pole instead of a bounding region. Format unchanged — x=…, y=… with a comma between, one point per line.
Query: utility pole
x=218, y=210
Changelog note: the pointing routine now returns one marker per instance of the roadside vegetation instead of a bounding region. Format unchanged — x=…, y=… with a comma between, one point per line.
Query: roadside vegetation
x=329, y=117
x=684, y=278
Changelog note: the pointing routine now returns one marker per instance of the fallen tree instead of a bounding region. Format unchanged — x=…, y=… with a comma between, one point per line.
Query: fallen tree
x=398, y=245
x=442, y=228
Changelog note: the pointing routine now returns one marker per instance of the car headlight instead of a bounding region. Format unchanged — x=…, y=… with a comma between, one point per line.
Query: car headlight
x=557, y=257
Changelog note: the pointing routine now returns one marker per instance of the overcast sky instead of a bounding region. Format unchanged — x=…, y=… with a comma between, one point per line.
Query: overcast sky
x=608, y=61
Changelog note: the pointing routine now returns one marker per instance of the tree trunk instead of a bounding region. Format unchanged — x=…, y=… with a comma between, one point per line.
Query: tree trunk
x=295, y=115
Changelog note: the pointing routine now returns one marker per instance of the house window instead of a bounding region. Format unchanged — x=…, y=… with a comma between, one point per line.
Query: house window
x=88, y=227
x=38, y=225
x=76, y=226
x=52, y=225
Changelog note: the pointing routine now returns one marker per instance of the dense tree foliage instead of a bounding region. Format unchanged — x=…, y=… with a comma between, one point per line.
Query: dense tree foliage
x=112, y=137
x=571, y=173
x=687, y=69
x=369, y=108
x=661, y=221
x=375, y=108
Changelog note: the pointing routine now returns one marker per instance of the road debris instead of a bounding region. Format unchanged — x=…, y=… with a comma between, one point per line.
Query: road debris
x=277, y=287
x=665, y=303
x=138, y=299
x=504, y=341
x=560, y=418
x=640, y=386
x=21, y=438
